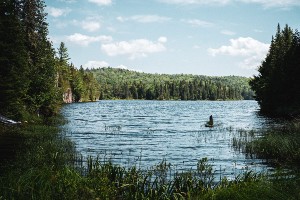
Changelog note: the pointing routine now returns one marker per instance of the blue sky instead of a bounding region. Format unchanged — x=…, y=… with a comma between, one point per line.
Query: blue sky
x=204, y=37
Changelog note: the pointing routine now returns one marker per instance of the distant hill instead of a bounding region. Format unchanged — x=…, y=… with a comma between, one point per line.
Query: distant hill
x=126, y=84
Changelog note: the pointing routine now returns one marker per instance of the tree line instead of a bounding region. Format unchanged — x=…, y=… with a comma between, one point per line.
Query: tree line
x=277, y=85
x=127, y=84
x=33, y=75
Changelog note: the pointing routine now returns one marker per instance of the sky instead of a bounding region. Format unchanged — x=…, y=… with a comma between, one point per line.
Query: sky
x=202, y=37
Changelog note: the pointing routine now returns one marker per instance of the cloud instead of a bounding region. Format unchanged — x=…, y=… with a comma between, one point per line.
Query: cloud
x=162, y=39
x=85, y=40
x=275, y=3
x=264, y=3
x=90, y=24
x=68, y=1
x=95, y=64
x=227, y=32
x=127, y=68
x=144, y=18
x=253, y=51
x=122, y=67
x=57, y=12
x=197, y=22
x=54, y=40
x=101, y=2
x=200, y=2
x=134, y=48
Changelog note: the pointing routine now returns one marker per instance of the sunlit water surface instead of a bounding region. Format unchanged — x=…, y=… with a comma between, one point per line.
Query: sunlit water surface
x=143, y=133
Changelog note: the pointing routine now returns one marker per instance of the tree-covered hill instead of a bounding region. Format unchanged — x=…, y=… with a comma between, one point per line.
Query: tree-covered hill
x=126, y=84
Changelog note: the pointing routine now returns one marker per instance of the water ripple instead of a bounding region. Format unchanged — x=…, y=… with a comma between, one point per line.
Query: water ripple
x=127, y=131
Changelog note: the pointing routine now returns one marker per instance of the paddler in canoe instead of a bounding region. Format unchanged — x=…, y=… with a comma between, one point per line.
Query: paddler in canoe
x=210, y=123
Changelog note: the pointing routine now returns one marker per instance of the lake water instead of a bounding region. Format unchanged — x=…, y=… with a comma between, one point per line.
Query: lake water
x=143, y=133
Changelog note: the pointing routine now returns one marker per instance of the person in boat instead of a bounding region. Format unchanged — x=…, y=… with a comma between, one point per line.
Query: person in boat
x=211, y=121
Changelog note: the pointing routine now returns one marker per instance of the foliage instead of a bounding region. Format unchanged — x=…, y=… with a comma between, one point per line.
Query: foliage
x=81, y=83
x=280, y=146
x=277, y=85
x=27, y=60
x=32, y=79
x=14, y=66
x=126, y=84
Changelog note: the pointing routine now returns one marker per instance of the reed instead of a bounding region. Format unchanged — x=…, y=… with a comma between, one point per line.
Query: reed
x=280, y=146
x=47, y=166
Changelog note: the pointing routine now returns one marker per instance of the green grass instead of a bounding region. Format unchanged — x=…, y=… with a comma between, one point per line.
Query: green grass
x=280, y=146
x=47, y=166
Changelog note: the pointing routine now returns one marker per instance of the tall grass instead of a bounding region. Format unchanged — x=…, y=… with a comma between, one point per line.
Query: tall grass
x=279, y=146
x=47, y=166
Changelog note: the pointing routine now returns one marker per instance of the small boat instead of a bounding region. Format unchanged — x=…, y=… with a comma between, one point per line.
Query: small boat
x=209, y=125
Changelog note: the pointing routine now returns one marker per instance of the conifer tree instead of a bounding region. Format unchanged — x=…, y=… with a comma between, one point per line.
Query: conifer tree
x=278, y=74
x=13, y=60
x=42, y=95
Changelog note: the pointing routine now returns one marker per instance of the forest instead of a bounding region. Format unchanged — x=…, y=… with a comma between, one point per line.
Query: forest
x=126, y=84
x=34, y=77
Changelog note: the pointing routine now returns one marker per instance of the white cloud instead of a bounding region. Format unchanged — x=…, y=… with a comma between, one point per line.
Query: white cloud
x=144, y=18
x=127, y=68
x=54, y=40
x=200, y=2
x=134, y=48
x=227, y=32
x=264, y=3
x=91, y=26
x=251, y=62
x=251, y=50
x=121, y=19
x=101, y=2
x=162, y=39
x=68, y=1
x=121, y=67
x=197, y=22
x=85, y=40
x=57, y=12
x=275, y=3
x=95, y=64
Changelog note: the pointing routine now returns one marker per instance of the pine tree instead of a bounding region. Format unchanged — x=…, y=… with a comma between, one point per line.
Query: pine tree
x=42, y=95
x=277, y=75
x=13, y=61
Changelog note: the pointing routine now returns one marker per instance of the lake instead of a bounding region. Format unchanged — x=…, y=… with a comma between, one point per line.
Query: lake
x=143, y=133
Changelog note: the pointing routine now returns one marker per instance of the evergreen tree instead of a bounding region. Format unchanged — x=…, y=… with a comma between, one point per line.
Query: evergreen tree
x=13, y=60
x=32, y=79
x=276, y=84
x=42, y=95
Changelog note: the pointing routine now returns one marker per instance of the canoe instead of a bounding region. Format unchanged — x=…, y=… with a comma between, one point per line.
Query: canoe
x=209, y=125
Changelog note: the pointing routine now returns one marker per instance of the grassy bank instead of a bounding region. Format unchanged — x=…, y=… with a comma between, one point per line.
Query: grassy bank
x=46, y=166
x=279, y=146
